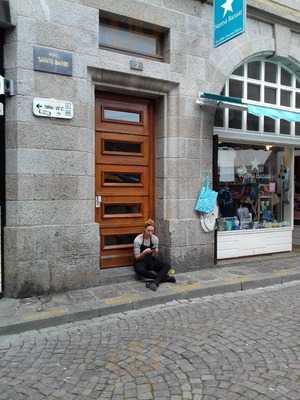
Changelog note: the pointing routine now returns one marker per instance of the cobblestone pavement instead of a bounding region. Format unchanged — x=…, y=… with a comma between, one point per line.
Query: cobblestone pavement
x=244, y=345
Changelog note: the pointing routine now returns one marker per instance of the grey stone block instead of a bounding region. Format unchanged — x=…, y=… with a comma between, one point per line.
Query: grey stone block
x=187, y=7
x=175, y=188
x=43, y=135
x=49, y=162
x=49, y=85
x=49, y=212
x=282, y=40
x=18, y=54
x=160, y=168
x=177, y=233
x=74, y=273
x=45, y=258
x=78, y=16
x=196, y=67
x=36, y=187
x=186, y=208
x=191, y=257
x=171, y=209
x=195, y=234
x=28, y=8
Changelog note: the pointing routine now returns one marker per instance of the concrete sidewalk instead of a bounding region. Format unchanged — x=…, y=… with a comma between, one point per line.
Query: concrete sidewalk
x=18, y=315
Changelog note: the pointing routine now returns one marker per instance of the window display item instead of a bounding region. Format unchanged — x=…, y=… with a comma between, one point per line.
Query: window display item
x=208, y=221
x=226, y=160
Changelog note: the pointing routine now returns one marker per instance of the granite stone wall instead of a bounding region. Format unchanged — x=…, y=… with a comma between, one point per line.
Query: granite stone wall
x=51, y=238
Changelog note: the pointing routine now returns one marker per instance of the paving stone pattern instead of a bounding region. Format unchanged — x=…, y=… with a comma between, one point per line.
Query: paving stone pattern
x=235, y=346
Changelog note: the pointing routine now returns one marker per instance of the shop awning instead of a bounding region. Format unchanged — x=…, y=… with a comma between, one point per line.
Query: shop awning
x=274, y=113
x=206, y=99
x=209, y=99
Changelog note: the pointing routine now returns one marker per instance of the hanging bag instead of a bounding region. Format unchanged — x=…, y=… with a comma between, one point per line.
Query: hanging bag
x=207, y=199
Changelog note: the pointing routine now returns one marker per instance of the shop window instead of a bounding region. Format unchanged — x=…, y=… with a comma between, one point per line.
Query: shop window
x=285, y=98
x=131, y=36
x=219, y=117
x=297, y=84
x=297, y=128
x=235, y=119
x=253, y=186
x=269, y=125
x=297, y=100
x=235, y=88
x=239, y=71
x=297, y=188
x=286, y=77
x=252, y=122
x=254, y=70
x=271, y=72
x=285, y=127
x=270, y=95
x=253, y=92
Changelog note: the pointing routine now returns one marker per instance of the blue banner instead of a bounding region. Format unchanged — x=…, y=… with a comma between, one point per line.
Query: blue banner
x=229, y=20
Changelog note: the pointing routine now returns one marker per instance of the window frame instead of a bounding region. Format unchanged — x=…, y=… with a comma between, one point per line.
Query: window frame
x=293, y=89
x=131, y=27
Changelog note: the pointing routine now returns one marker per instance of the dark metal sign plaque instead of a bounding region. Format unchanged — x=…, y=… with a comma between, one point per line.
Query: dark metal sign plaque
x=52, y=61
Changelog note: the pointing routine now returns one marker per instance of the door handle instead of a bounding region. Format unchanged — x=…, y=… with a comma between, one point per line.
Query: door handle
x=98, y=201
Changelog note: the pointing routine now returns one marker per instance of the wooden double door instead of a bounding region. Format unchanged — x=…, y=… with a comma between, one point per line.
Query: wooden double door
x=124, y=174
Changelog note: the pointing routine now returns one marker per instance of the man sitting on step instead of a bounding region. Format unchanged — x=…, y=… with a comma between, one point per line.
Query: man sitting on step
x=147, y=264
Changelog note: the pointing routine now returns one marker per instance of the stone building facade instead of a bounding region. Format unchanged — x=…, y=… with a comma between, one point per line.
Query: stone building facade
x=51, y=237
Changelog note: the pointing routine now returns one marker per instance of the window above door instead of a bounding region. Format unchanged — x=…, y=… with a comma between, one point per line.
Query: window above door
x=122, y=34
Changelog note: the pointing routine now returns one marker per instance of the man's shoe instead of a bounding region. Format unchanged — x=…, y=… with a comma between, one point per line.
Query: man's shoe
x=152, y=286
x=171, y=279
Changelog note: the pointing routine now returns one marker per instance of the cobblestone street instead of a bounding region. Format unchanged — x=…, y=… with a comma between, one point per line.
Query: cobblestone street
x=244, y=345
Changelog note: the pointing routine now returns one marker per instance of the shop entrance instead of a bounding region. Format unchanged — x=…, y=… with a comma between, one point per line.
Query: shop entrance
x=124, y=174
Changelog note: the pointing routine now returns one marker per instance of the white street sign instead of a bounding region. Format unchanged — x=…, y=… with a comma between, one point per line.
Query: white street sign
x=53, y=108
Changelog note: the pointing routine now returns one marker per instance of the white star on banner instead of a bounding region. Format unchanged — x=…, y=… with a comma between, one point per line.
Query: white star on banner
x=227, y=7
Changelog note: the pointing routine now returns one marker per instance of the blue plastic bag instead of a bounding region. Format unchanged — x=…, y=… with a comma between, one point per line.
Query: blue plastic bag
x=207, y=199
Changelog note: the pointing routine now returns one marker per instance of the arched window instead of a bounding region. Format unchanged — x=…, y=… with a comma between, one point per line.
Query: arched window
x=265, y=83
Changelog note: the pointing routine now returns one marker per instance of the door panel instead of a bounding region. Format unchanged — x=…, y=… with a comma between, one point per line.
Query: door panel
x=118, y=211
x=127, y=149
x=106, y=122
x=117, y=246
x=124, y=174
x=122, y=180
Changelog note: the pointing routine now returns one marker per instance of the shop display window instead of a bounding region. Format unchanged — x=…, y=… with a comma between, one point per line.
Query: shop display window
x=297, y=188
x=253, y=184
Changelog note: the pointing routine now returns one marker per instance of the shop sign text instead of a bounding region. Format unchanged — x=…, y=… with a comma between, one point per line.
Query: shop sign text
x=229, y=20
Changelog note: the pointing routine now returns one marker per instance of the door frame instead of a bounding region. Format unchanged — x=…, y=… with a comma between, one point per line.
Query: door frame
x=101, y=93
